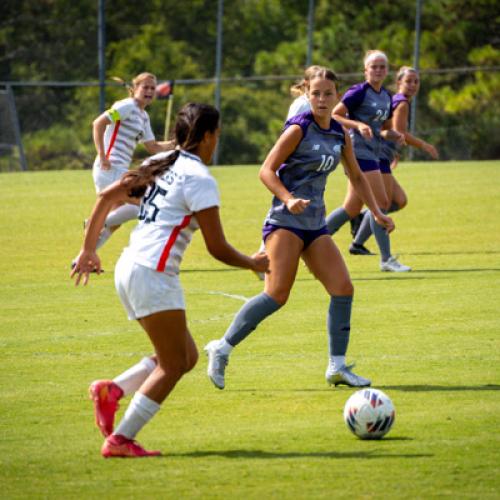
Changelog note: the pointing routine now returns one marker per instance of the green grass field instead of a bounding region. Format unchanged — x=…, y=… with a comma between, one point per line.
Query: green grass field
x=428, y=338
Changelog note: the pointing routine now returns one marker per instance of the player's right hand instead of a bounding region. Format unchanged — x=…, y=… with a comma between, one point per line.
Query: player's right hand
x=86, y=263
x=296, y=205
x=261, y=262
x=105, y=164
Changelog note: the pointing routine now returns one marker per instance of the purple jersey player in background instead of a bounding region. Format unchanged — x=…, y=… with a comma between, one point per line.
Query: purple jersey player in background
x=295, y=171
x=407, y=85
x=365, y=109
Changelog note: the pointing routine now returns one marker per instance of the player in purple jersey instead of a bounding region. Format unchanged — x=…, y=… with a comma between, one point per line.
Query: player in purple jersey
x=365, y=109
x=295, y=171
x=407, y=85
x=173, y=186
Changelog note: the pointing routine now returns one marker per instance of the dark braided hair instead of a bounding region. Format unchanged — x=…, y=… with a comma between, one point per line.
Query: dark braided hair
x=192, y=121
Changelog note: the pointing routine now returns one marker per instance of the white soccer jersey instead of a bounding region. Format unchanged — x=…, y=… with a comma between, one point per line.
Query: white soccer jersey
x=166, y=221
x=299, y=106
x=130, y=125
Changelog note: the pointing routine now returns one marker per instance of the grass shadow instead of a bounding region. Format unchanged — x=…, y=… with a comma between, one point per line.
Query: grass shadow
x=437, y=388
x=266, y=455
x=408, y=388
x=458, y=252
x=466, y=270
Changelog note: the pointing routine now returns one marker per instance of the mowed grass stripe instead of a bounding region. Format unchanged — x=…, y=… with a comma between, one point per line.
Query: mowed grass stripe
x=429, y=339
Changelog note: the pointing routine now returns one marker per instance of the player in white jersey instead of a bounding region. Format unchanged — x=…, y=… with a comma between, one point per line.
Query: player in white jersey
x=116, y=133
x=177, y=195
x=301, y=102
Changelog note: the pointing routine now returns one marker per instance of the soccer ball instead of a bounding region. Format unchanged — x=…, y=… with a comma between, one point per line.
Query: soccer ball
x=369, y=414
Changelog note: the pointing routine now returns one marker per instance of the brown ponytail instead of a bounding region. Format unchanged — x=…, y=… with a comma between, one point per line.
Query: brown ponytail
x=192, y=122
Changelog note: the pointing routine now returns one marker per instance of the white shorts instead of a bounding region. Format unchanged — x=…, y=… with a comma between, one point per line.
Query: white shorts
x=103, y=178
x=144, y=291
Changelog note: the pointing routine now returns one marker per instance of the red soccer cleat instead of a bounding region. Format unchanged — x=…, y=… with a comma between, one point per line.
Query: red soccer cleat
x=105, y=395
x=121, y=447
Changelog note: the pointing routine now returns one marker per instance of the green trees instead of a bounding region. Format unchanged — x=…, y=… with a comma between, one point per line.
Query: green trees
x=51, y=40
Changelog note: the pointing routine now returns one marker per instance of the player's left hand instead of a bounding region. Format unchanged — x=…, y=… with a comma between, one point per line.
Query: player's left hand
x=386, y=222
x=430, y=149
x=87, y=262
x=399, y=139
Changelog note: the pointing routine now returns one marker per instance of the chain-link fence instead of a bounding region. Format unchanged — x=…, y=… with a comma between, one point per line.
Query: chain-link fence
x=55, y=118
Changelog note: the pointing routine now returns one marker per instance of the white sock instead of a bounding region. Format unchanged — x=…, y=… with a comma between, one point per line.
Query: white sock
x=139, y=412
x=130, y=380
x=225, y=347
x=122, y=214
x=337, y=361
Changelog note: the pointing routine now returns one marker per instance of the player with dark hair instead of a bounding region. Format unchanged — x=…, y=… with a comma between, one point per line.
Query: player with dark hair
x=178, y=195
x=295, y=171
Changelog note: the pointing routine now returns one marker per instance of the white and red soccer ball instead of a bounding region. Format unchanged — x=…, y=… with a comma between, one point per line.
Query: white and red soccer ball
x=369, y=413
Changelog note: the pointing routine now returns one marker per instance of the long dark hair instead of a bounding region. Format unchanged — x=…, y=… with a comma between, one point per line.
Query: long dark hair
x=192, y=121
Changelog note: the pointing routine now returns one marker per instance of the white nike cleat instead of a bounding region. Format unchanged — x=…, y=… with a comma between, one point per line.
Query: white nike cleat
x=217, y=363
x=393, y=265
x=345, y=376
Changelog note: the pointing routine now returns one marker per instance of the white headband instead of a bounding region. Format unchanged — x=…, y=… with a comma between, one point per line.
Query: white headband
x=375, y=55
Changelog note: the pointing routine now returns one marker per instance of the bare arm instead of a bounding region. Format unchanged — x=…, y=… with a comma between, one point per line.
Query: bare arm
x=98, y=127
x=282, y=149
x=361, y=185
x=154, y=147
x=220, y=249
x=390, y=134
x=400, y=120
x=339, y=114
x=88, y=260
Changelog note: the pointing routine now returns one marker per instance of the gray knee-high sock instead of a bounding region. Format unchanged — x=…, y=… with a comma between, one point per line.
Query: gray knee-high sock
x=249, y=316
x=339, y=324
x=382, y=237
x=336, y=220
x=365, y=230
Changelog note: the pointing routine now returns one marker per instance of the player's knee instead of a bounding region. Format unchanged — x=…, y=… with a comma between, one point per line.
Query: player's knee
x=342, y=287
x=192, y=359
x=352, y=209
x=402, y=201
x=174, y=369
x=384, y=203
x=346, y=288
x=280, y=296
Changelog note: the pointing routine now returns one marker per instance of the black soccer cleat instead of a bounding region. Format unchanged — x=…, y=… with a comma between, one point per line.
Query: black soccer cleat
x=356, y=249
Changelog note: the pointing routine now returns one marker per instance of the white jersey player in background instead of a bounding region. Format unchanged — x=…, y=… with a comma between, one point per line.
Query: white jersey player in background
x=178, y=195
x=116, y=133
